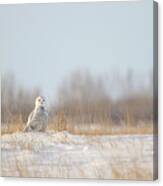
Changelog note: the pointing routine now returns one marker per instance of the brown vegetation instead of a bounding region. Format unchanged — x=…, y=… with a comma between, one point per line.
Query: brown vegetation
x=84, y=106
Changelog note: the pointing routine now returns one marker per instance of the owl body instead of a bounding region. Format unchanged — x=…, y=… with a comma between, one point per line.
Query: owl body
x=38, y=118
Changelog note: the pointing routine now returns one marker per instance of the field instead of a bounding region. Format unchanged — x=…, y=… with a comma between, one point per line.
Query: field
x=64, y=155
x=88, y=96
x=91, y=133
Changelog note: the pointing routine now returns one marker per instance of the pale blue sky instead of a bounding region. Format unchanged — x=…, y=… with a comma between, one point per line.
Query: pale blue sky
x=43, y=43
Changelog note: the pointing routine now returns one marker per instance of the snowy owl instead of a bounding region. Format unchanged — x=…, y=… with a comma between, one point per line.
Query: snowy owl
x=38, y=118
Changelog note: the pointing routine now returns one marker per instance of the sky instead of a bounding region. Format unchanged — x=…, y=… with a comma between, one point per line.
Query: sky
x=43, y=43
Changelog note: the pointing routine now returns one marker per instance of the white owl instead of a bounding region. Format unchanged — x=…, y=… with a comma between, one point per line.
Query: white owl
x=38, y=118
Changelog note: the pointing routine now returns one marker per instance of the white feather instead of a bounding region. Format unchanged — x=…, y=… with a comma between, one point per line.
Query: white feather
x=38, y=118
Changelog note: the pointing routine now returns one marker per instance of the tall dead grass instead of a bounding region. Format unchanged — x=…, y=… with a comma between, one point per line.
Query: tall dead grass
x=89, y=129
x=83, y=106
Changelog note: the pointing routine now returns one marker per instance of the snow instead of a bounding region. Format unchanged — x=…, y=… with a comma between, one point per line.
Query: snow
x=63, y=155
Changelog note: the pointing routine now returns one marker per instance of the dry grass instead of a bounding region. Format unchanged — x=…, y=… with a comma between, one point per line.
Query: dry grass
x=85, y=129
x=83, y=106
x=11, y=128
x=61, y=123
x=134, y=173
x=106, y=129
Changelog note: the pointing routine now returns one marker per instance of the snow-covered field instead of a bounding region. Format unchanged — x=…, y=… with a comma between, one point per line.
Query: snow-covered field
x=64, y=155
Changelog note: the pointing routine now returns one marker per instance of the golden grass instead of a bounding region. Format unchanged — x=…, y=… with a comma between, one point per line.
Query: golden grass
x=112, y=130
x=85, y=129
x=12, y=128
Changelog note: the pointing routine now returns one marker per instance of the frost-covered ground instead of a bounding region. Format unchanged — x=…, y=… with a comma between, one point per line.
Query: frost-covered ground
x=65, y=155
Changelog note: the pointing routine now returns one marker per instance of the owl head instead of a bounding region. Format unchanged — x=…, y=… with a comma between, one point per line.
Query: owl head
x=40, y=101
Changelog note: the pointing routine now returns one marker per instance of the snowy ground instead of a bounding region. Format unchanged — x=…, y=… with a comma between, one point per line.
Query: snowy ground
x=65, y=155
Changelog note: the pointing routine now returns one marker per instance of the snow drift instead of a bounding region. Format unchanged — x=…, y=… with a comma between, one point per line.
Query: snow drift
x=64, y=155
